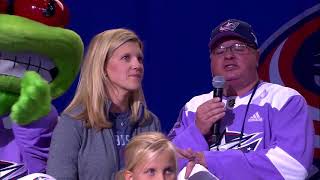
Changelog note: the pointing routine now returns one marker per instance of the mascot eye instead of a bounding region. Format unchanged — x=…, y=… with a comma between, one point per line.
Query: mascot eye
x=50, y=10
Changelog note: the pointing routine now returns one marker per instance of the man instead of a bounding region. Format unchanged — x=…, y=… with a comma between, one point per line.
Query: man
x=265, y=131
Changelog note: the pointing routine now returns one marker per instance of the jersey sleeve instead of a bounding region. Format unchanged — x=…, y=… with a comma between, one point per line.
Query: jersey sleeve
x=34, y=140
x=185, y=134
x=288, y=155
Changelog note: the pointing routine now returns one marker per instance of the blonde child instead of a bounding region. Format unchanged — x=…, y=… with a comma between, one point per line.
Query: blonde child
x=149, y=156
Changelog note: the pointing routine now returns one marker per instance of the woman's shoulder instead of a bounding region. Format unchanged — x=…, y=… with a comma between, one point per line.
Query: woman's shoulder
x=152, y=121
x=71, y=118
x=68, y=127
x=68, y=122
x=153, y=117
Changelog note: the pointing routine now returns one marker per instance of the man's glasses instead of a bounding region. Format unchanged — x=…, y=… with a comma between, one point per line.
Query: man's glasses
x=236, y=48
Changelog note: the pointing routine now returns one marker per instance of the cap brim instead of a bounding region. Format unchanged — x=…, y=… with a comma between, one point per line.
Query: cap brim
x=226, y=34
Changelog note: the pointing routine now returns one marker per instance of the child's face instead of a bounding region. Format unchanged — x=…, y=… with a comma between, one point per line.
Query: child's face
x=161, y=168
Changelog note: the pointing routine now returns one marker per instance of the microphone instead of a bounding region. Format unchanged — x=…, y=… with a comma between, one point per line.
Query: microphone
x=218, y=84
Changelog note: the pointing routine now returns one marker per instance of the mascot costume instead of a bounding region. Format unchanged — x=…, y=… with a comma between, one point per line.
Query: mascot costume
x=39, y=60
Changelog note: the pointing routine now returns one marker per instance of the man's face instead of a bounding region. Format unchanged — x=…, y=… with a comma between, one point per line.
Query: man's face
x=235, y=61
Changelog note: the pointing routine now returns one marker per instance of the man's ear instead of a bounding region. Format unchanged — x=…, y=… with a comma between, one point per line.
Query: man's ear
x=211, y=69
x=128, y=175
x=258, y=57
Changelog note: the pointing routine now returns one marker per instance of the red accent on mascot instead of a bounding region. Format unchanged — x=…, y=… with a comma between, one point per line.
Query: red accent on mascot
x=50, y=12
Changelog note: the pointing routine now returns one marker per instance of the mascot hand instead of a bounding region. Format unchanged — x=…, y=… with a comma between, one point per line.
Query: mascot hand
x=34, y=101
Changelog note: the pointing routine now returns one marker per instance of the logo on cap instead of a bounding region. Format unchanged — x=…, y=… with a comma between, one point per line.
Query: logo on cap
x=229, y=26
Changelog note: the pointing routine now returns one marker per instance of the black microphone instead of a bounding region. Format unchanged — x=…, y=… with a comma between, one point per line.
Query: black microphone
x=217, y=83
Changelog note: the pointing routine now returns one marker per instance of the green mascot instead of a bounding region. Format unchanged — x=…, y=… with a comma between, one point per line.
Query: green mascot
x=38, y=62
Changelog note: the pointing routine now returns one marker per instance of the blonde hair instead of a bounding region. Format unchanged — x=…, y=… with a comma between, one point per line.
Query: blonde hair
x=92, y=92
x=144, y=148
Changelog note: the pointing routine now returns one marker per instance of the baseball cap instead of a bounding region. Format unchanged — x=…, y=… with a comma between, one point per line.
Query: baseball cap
x=234, y=28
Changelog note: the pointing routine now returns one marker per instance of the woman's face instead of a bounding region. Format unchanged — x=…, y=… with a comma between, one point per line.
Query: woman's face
x=163, y=167
x=125, y=67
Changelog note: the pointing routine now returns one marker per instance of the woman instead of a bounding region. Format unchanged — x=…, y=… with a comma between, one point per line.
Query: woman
x=107, y=110
x=149, y=156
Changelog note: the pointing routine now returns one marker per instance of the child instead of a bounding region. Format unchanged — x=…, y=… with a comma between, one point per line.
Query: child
x=149, y=156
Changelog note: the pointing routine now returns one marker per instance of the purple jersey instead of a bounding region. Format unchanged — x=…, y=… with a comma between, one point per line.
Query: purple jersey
x=277, y=141
x=27, y=145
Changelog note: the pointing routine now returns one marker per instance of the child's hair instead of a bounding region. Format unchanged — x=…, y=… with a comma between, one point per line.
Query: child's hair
x=144, y=148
